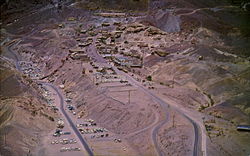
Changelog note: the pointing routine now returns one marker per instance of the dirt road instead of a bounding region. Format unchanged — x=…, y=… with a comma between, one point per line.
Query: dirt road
x=165, y=106
x=61, y=108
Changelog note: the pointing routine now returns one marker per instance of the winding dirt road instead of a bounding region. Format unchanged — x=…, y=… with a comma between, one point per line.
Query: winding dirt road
x=61, y=108
x=165, y=107
x=66, y=116
x=199, y=137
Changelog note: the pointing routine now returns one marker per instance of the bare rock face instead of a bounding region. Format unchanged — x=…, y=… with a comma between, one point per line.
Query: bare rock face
x=11, y=9
x=165, y=20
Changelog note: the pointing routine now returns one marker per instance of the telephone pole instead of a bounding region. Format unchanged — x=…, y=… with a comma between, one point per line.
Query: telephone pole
x=173, y=120
x=4, y=138
x=129, y=96
x=173, y=82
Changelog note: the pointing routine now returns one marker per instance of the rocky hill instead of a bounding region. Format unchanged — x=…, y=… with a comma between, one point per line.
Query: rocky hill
x=24, y=116
x=191, y=54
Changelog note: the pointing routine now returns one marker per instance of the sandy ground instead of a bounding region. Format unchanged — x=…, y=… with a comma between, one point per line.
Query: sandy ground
x=54, y=149
x=155, y=117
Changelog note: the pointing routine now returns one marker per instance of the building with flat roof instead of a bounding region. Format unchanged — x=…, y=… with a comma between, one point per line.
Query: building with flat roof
x=243, y=127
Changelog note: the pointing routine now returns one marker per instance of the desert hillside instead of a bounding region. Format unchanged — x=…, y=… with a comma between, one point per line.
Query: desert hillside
x=125, y=77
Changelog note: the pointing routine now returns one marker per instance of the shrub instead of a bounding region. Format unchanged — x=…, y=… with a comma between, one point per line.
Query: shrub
x=149, y=78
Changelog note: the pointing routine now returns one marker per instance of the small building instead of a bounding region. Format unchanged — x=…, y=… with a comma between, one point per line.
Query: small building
x=136, y=65
x=121, y=60
x=82, y=57
x=84, y=44
x=77, y=50
x=243, y=127
x=107, y=56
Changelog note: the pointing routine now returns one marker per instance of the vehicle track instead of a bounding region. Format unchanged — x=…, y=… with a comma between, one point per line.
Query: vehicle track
x=72, y=125
x=66, y=116
x=164, y=105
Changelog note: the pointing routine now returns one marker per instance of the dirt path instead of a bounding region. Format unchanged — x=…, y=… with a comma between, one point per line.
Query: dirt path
x=218, y=8
x=67, y=117
x=59, y=95
x=165, y=106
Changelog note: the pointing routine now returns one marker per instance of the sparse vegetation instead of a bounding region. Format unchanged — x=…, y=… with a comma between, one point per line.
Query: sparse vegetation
x=210, y=98
x=51, y=118
x=149, y=78
x=178, y=51
x=202, y=107
x=161, y=53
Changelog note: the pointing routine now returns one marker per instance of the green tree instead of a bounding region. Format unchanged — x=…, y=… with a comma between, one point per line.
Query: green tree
x=149, y=78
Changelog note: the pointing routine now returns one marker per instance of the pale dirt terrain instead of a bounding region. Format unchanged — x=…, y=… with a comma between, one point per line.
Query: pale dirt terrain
x=186, y=95
x=25, y=117
x=47, y=148
x=176, y=135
